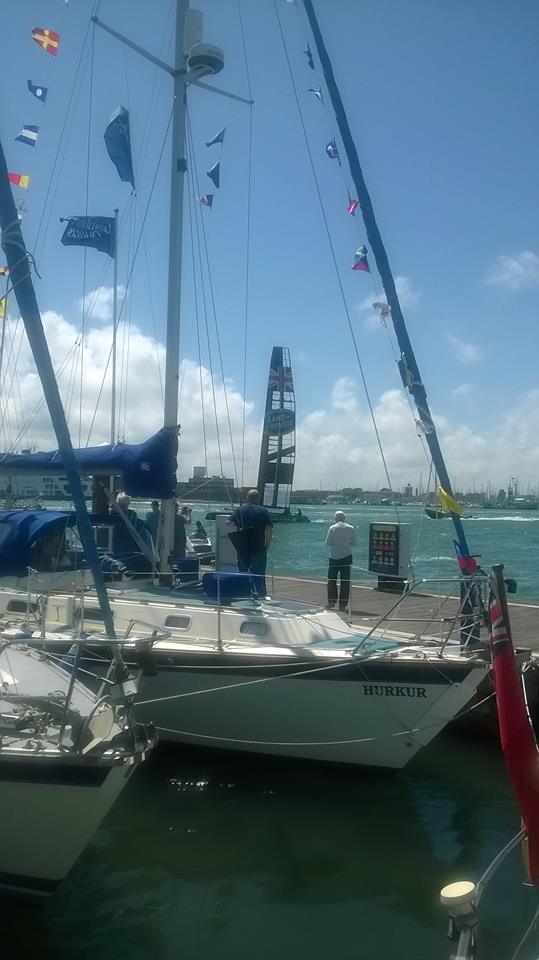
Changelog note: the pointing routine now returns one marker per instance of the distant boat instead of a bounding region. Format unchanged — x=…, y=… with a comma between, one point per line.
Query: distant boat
x=278, y=447
x=434, y=514
x=437, y=514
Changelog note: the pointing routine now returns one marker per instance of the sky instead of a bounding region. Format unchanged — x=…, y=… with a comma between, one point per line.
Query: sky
x=440, y=98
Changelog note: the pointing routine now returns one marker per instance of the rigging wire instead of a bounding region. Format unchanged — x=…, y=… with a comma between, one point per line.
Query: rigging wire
x=85, y=249
x=247, y=238
x=152, y=313
x=334, y=258
x=212, y=297
x=41, y=402
x=50, y=192
x=132, y=267
x=197, y=319
x=191, y=166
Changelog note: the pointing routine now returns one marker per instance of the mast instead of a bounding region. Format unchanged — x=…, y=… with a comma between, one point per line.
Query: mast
x=18, y=262
x=114, y=331
x=4, y=321
x=416, y=387
x=277, y=454
x=177, y=178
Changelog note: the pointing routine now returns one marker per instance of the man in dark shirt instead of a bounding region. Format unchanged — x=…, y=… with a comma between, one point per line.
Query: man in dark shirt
x=152, y=519
x=180, y=534
x=256, y=523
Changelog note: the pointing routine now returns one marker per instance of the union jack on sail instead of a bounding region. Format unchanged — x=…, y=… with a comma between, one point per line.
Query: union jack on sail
x=280, y=379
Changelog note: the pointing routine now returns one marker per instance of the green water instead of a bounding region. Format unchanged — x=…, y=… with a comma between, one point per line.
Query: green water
x=209, y=856
x=498, y=537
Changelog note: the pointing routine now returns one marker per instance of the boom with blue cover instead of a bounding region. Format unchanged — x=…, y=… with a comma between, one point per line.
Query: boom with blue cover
x=148, y=469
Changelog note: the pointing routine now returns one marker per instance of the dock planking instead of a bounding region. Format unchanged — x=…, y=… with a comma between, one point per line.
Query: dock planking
x=425, y=612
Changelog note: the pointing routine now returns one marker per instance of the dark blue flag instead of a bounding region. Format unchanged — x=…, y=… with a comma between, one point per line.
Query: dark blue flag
x=309, y=56
x=39, y=92
x=214, y=173
x=218, y=138
x=118, y=144
x=97, y=232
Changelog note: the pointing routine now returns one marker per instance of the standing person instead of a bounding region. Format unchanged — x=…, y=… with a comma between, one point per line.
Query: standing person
x=256, y=522
x=341, y=537
x=180, y=533
x=200, y=531
x=152, y=519
x=122, y=540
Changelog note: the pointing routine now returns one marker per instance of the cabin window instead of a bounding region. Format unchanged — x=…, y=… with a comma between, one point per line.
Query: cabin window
x=20, y=606
x=178, y=622
x=93, y=615
x=254, y=628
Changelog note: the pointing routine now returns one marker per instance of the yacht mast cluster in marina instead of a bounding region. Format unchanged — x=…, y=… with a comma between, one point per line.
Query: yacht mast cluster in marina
x=101, y=651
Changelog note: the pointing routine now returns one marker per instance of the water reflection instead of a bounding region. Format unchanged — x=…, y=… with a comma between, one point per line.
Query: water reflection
x=206, y=855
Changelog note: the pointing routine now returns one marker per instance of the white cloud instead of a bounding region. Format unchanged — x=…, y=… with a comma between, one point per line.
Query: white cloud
x=514, y=273
x=337, y=446
x=98, y=303
x=408, y=299
x=465, y=351
x=336, y=442
x=343, y=395
x=137, y=419
x=463, y=390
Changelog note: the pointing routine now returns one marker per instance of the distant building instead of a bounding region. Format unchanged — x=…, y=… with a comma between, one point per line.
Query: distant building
x=212, y=489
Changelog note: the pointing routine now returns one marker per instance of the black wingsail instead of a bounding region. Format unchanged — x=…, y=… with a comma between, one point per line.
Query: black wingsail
x=278, y=450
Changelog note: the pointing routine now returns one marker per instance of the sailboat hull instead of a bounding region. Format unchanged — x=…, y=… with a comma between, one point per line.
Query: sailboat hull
x=49, y=813
x=282, y=678
x=355, y=713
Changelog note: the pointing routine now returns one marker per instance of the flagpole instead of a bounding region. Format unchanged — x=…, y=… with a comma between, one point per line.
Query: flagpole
x=113, y=387
x=3, y=334
x=177, y=178
x=114, y=331
x=469, y=629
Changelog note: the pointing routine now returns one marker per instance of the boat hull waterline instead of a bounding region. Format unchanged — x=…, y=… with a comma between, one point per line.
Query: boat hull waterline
x=363, y=713
x=293, y=686
x=48, y=818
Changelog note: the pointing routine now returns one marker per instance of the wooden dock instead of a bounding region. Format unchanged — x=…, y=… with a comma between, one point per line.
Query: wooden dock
x=420, y=611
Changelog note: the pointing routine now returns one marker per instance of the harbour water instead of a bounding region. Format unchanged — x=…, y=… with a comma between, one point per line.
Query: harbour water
x=207, y=855
x=210, y=856
x=508, y=537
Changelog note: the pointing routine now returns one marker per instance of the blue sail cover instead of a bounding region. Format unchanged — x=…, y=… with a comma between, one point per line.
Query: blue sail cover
x=21, y=529
x=148, y=469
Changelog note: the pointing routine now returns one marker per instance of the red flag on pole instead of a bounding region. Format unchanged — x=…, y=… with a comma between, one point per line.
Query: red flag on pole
x=48, y=39
x=516, y=734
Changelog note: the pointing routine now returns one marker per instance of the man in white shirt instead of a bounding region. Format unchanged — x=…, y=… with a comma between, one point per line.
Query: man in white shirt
x=341, y=537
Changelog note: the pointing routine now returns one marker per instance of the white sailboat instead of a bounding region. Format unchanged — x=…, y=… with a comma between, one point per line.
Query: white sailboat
x=65, y=752
x=264, y=676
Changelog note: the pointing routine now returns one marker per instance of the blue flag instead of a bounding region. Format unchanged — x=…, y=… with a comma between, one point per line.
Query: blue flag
x=28, y=134
x=97, y=232
x=214, y=173
x=118, y=144
x=218, y=138
x=39, y=92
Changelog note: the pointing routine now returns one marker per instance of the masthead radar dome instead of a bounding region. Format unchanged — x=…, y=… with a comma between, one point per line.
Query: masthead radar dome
x=204, y=59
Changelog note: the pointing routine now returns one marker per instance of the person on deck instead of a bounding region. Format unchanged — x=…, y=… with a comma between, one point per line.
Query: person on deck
x=180, y=533
x=255, y=521
x=122, y=540
x=152, y=519
x=340, y=539
x=200, y=531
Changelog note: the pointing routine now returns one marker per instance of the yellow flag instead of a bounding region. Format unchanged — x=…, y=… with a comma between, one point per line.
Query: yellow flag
x=2, y=307
x=449, y=503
